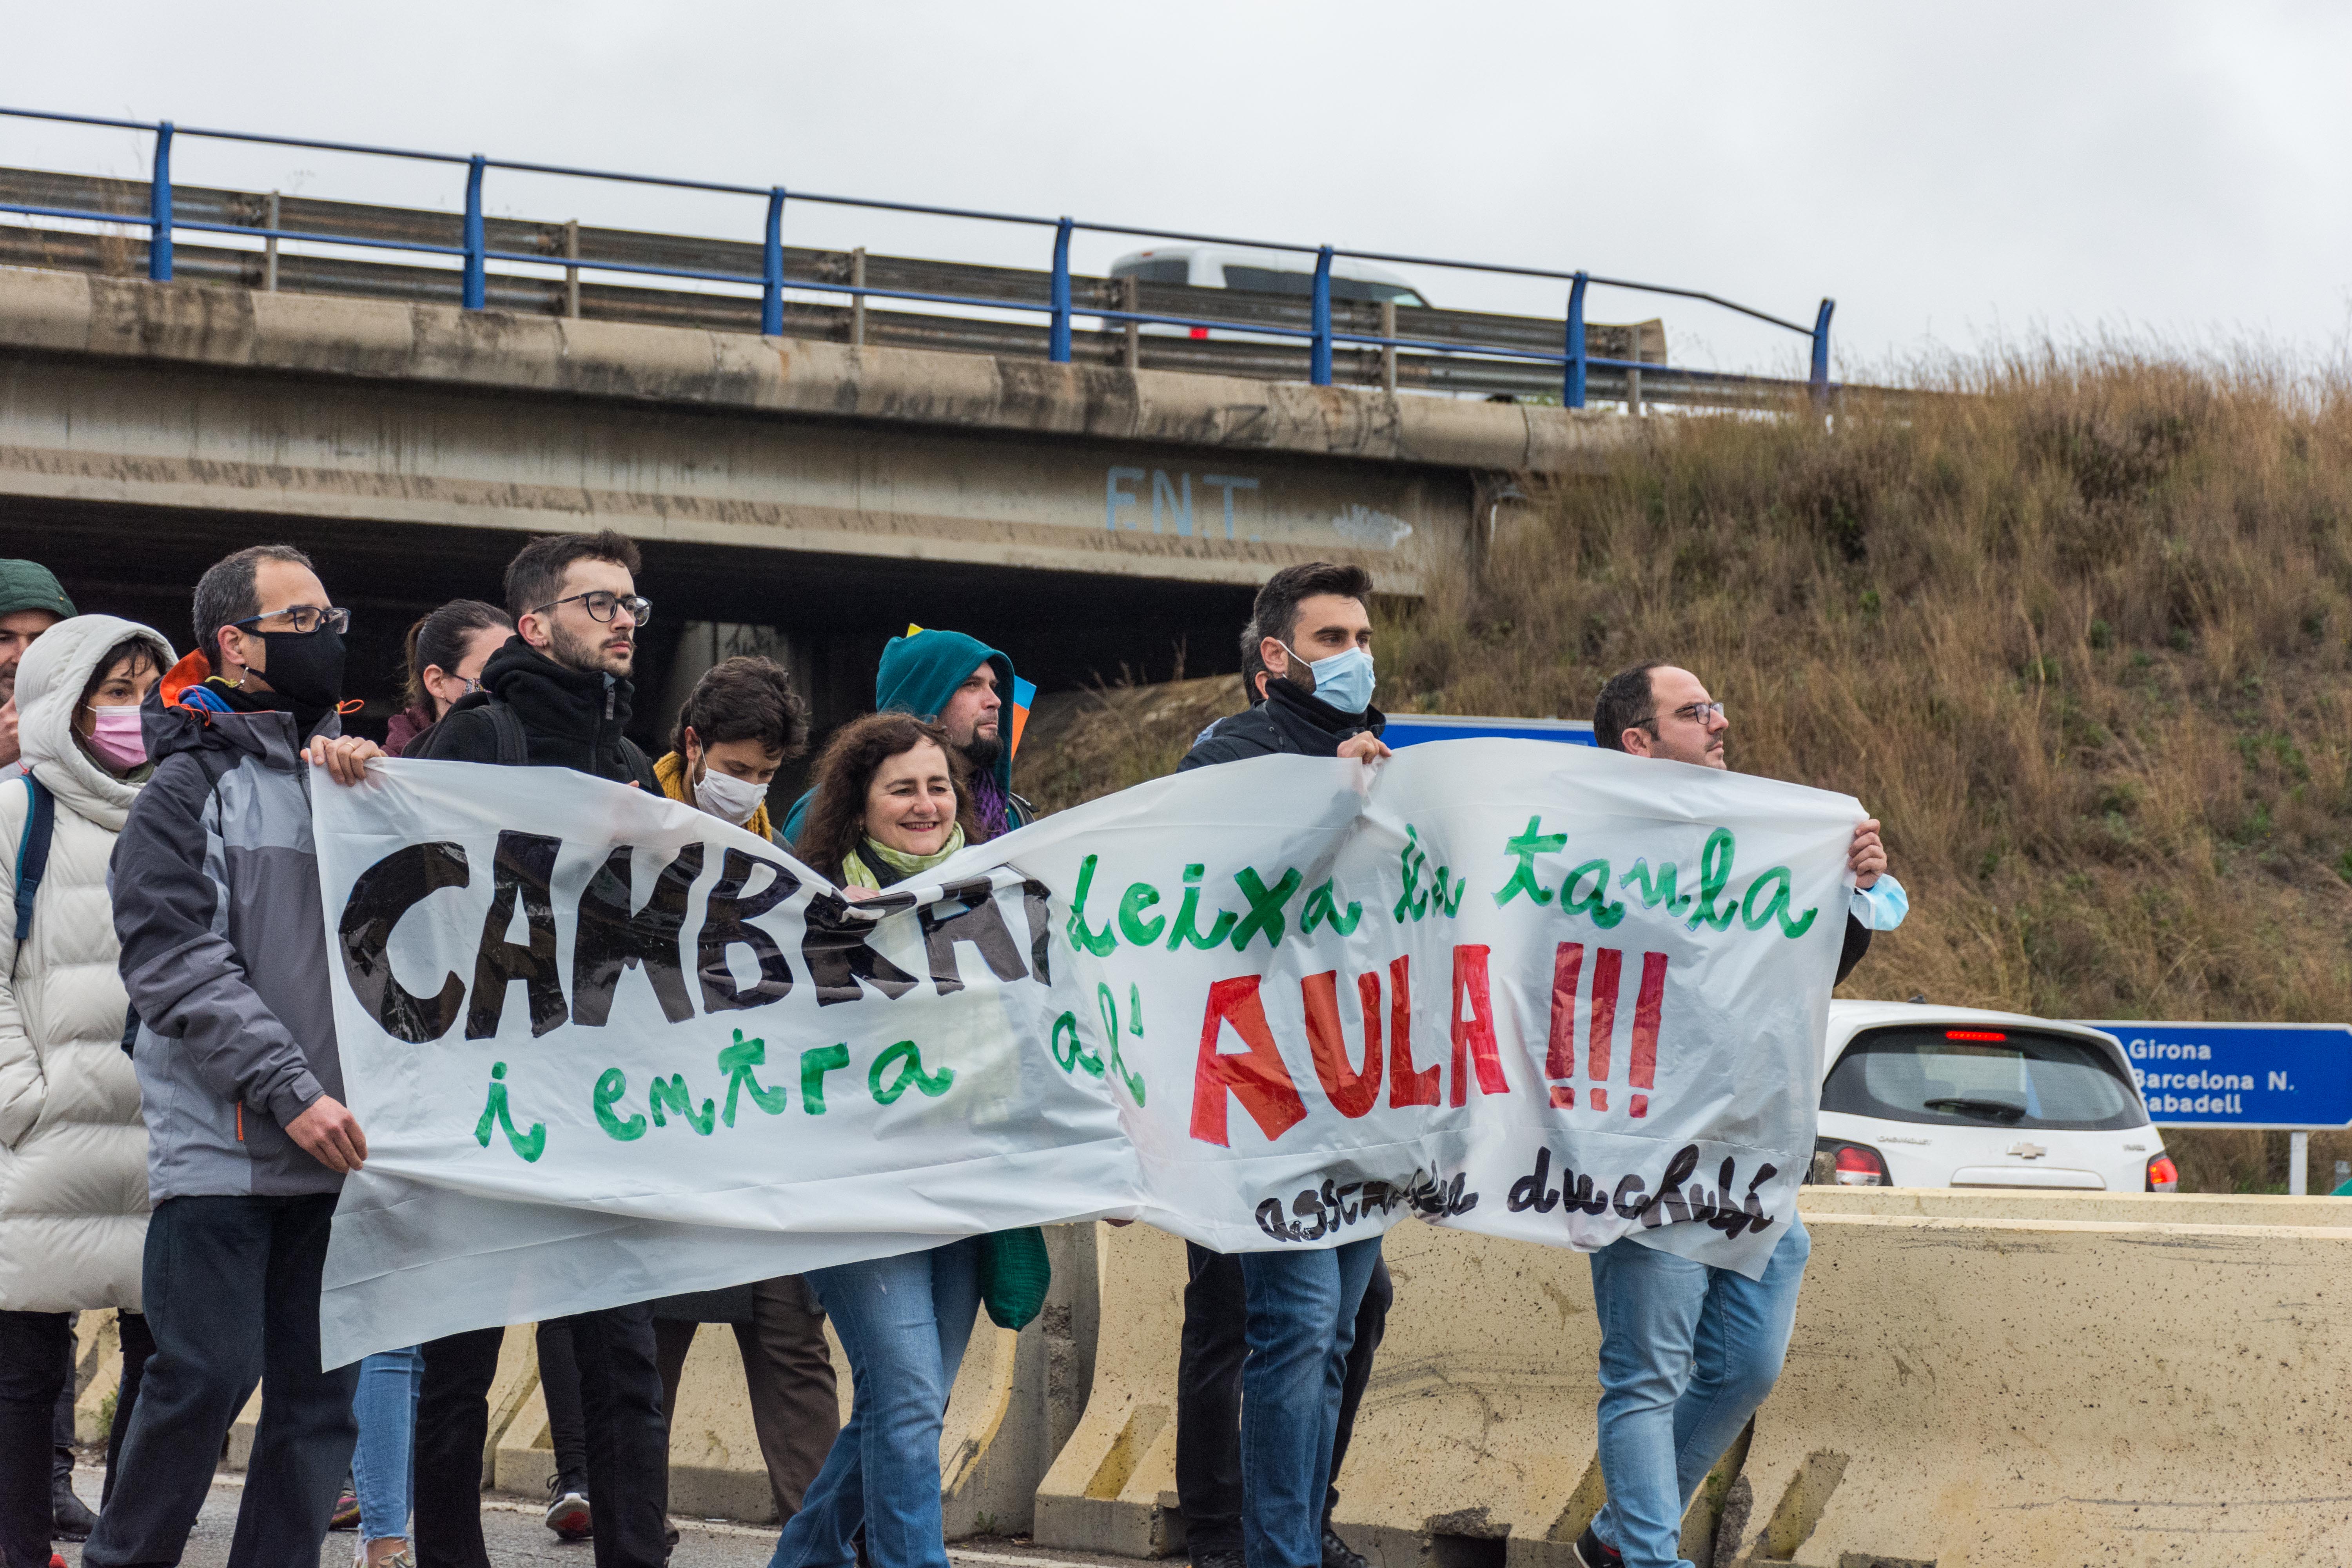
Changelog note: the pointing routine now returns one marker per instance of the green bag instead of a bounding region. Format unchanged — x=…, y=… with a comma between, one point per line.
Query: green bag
x=1014, y=1273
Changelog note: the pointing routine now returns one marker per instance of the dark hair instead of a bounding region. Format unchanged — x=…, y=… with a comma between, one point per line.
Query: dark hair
x=1252, y=665
x=835, y=823
x=1275, y=614
x=535, y=576
x=1623, y=703
x=140, y=648
x=746, y=697
x=225, y=593
x=439, y=637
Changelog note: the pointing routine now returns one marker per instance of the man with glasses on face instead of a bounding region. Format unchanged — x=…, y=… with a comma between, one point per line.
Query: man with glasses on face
x=557, y=694
x=1689, y=1350
x=216, y=898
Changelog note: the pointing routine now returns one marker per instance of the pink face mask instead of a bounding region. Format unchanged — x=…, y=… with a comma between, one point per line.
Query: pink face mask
x=116, y=738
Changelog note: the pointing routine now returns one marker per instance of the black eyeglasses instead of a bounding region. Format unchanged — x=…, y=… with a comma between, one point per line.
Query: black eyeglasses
x=1698, y=712
x=304, y=619
x=602, y=606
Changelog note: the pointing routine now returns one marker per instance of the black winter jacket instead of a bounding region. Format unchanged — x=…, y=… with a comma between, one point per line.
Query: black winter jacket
x=1288, y=721
x=569, y=719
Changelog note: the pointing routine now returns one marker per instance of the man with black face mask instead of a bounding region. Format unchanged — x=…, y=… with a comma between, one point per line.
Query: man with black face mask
x=215, y=894
x=557, y=694
x=1307, y=658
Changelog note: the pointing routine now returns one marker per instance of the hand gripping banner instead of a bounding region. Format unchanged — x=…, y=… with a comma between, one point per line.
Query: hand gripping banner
x=606, y=1047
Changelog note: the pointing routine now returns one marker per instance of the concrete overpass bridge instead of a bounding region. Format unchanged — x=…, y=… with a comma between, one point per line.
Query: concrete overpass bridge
x=807, y=497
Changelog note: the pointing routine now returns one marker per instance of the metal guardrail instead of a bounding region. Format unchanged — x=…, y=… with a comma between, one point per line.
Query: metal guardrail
x=1442, y=349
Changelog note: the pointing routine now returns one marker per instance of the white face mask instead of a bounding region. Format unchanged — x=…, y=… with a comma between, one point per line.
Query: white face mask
x=727, y=797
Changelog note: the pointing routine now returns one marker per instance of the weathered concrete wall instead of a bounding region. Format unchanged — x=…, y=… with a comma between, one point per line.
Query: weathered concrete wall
x=125, y=319
x=130, y=392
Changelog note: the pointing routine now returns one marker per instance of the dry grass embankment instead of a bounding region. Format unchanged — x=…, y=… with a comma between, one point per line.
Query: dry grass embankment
x=2079, y=638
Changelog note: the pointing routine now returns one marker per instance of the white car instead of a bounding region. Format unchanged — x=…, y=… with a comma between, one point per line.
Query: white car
x=1920, y=1096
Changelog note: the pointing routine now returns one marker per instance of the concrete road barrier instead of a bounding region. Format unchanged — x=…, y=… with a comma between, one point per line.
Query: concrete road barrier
x=1976, y=1377
x=2028, y=1391
x=1476, y=1448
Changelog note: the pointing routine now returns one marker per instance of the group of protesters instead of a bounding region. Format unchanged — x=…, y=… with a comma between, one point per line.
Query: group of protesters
x=174, y=1136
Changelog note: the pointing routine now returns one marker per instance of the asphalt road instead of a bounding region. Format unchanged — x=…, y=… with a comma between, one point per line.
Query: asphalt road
x=512, y=1530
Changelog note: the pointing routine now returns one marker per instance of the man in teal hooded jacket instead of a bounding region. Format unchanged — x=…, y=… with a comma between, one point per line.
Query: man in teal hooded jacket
x=967, y=688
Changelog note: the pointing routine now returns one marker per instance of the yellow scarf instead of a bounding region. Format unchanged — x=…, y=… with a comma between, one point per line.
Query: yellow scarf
x=671, y=771
x=856, y=873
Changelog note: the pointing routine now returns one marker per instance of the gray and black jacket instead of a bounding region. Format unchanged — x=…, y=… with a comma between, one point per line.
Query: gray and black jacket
x=216, y=888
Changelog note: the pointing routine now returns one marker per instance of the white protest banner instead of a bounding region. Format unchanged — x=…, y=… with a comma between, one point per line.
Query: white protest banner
x=606, y=1046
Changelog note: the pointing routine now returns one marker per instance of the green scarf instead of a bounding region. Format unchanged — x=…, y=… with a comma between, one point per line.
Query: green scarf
x=856, y=873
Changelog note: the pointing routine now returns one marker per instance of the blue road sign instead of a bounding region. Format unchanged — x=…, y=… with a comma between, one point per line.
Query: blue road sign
x=2292, y=1075
x=1413, y=729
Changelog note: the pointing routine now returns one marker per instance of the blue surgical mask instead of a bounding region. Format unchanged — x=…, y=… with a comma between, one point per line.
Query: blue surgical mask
x=1344, y=680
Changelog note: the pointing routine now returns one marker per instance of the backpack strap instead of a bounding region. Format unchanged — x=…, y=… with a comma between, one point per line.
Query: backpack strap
x=33, y=852
x=640, y=767
x=514, y=744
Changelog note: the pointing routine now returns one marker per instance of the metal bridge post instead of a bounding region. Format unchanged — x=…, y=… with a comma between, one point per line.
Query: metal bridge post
x=159, y=208
x=476, y=285
x=772, y=269
x=1058, y=347
x=1319, y=367
x=1572, y=386
x=1820, y=374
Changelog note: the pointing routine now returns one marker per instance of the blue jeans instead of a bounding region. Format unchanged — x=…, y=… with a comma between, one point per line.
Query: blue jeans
x=904, y=1322
x=1301, y=1322
x=1687, y=1352
x=382, y=1470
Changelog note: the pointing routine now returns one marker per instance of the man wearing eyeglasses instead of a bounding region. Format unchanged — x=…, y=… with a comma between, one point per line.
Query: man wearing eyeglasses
x=1689, y=1350
x=216, y=900
x=557, y=694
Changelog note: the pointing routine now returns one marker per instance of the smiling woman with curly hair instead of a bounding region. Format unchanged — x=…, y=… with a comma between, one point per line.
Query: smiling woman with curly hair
x=891, y=799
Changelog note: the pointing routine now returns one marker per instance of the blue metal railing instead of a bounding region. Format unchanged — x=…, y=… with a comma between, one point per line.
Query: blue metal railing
x=1575, y=360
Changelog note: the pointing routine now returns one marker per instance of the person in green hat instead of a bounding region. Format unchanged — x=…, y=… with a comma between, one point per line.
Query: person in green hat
x=966, y=688
x=31, y=602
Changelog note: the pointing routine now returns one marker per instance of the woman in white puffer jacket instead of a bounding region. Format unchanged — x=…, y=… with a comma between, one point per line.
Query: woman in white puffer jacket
x=73, y=1152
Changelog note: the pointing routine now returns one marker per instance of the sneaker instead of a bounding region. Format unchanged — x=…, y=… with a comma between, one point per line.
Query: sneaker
x=567, y=1508
x=347, y=1510
x=1592, y=1553
x=1337, y=1553
x=1214, y=1559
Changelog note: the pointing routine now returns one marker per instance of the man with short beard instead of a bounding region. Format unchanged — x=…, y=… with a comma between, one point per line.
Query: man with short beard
x=1688, y=1351
x=557, y=694
x=962, y=685
x=31, y=602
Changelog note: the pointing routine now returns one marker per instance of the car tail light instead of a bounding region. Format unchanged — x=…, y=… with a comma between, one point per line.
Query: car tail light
x=1199, y=331
x=2163, y=1175
x=1859, y=1166
x=1974, y=1034
x=1837, y=1163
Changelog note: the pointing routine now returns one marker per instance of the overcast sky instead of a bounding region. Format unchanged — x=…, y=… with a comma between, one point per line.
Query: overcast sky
x=1955, y=175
